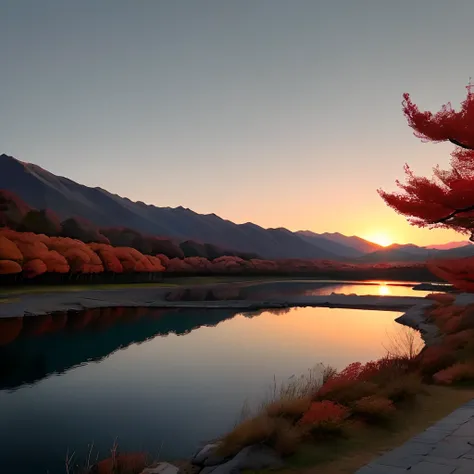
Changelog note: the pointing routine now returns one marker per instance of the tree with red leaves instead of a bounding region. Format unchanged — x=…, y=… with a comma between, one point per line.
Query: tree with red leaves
x=447, y=199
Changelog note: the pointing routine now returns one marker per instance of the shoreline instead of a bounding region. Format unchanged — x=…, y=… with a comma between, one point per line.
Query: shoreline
x=38, y=304
x=45, y=303
x=236, y=295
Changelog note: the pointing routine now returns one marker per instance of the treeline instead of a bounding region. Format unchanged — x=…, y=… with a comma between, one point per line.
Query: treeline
x=35, y=246
x=17, y=215
x=38, y=257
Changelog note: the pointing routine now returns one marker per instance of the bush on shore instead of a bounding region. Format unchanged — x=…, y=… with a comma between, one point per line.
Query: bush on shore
x=370, y=393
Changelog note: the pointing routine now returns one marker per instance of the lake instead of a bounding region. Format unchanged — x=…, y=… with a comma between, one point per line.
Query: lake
x=157, y=380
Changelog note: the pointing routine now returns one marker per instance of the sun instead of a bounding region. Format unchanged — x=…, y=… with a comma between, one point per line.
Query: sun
x=380, y=238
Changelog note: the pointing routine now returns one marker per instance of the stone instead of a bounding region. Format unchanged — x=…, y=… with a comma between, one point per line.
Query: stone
x=208, y=456
x=204, y=453
x=451, y=449
x=378, y=469
x=396, y=459
x=161, y=468
x=431, y=468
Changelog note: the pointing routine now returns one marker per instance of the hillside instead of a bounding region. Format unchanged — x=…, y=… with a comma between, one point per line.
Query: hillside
x=357, y=243
x=43, y=190
x=413, y=253
x=339, y=244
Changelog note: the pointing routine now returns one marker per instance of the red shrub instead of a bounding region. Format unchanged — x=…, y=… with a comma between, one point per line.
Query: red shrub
x=435, y=358
x=443, y=298
x=131, y=463
x=458, y=372
x=459, y=340
x=325, y=411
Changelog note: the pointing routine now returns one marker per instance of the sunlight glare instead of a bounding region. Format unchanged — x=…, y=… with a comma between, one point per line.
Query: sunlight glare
x=384, y=290
x=381, y=239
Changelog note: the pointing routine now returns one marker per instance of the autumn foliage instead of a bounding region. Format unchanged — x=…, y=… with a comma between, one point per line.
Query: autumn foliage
x=324, y=412
x=447, y=199
x=36, y=254
x=33, y=255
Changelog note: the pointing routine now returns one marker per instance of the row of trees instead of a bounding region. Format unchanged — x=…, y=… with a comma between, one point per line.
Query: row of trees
x=17, y=215
x=32, y=255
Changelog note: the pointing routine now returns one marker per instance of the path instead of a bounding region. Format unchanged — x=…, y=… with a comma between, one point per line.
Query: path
x=447, y=447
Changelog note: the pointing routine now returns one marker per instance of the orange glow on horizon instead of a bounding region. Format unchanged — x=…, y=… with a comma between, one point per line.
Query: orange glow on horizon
x=380, y=238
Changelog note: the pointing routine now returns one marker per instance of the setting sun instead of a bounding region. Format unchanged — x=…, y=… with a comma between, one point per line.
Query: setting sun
x=379, y=238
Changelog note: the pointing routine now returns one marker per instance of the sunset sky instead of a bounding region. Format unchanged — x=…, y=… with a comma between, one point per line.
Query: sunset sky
x=285, y=113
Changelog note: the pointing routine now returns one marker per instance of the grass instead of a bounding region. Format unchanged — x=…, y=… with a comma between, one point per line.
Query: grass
x=408, y=394
x=346, y=455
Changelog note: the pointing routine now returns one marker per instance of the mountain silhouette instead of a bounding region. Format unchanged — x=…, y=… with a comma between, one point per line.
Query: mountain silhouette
x=43, y=190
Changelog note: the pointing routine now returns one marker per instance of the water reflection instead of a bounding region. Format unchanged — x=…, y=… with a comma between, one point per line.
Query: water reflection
x=280, y=289
x=33, y=348
x=131, y=375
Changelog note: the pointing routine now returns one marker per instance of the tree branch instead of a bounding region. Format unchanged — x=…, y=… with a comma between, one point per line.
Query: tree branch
x=455, y=142
x=455, y=213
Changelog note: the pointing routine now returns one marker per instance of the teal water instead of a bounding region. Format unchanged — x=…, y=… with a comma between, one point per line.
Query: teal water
x=158, y=381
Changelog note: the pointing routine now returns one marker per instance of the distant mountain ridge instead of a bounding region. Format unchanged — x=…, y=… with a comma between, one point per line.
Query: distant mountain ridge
x=413, y=253
x=43, y=190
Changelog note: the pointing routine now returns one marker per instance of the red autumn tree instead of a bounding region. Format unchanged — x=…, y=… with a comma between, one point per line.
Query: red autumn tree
x=34, y=268
x=447, y=199
x=9, y=267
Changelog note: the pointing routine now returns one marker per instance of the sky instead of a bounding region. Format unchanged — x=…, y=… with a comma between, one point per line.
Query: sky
x=285, y=113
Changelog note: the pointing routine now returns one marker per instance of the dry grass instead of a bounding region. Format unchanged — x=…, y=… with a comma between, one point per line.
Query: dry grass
x=403, y=388
x=458, y=372
x=252, y=431
x=290, y=396
x=374, y=409
x=404, y=343
x=288, y=407
x=346, y=455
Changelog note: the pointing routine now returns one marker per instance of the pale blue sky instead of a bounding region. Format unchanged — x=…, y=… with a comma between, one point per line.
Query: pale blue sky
x=284, y=113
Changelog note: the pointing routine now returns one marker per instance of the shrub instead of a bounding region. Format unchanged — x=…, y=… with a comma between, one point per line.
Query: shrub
x=325, y=418
x=374, y=409
x=459, y=340
x=452, y=325
x=459, y=372
x=126, y=463
x=442, y=316
x=436, y=358
x=466, y=320
x=324, y=411
x=288, y=407
x=286, y=437
x=442, y=298
x=253, y=431
x=346, y=391
x=403, y=388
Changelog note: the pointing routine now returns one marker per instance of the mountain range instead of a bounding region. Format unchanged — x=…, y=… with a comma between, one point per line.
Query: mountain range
x=41, y=189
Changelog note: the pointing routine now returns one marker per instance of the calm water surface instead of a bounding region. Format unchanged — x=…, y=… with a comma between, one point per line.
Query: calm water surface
x=158, y=380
